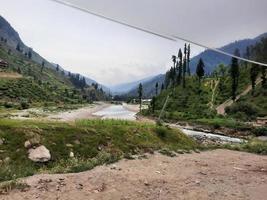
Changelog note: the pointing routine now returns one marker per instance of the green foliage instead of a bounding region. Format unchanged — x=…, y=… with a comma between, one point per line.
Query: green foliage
x=242, y=110
x=99, y=142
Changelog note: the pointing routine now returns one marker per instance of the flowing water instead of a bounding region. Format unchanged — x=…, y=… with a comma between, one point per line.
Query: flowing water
x=120, y=112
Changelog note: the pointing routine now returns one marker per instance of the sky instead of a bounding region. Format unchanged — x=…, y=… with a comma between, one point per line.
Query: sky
x=111, y=53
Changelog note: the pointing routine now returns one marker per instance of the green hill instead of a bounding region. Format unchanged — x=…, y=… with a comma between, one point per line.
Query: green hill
x=198, y=103
x=27, y=81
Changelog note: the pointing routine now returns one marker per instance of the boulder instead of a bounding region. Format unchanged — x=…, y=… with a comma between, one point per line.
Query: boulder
x=39, y=154
x=1, y=141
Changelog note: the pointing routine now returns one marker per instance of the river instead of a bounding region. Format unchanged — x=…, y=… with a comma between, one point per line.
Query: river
x=120, y=112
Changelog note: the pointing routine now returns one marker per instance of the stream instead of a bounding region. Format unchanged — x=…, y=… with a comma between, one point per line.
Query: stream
x=121, y=113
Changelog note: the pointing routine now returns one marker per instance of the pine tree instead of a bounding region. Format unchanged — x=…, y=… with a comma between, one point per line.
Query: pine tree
x=200, y=70
x=247, y=55
x=180, y=67
x=234, y=71
x=263, y=77
x=43, y=64
x=174, y=70
x=153, y=104
x=156, y=87
x=30, y=54
x=140, y=95
x=188, y=60
x=253, y=76
x=184, y=72
x=18, y=48
x=184, y=64
x=162, y=87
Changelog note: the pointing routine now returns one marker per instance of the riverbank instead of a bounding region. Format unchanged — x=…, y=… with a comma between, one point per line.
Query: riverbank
x=219, y=174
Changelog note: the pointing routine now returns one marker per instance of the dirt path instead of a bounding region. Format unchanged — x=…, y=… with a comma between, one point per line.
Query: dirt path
x=219, y=174
x=221, y=108
x=8, y=75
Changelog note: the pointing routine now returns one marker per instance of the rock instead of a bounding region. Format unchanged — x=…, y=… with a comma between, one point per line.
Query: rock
x=6, y=160
x=146, y=183
x=1, y=141
x=77, y=142
x=69, y=145
x=71, y=154
x=79, y=186
x=40, y=154
x=27, y=144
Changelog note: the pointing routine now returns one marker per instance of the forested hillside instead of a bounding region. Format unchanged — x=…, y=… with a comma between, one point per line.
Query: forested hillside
x=28, y=79
x=194, y=97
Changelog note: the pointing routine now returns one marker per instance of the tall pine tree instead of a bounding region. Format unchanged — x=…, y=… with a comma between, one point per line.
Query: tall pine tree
x=234, y=71
x=200, y=70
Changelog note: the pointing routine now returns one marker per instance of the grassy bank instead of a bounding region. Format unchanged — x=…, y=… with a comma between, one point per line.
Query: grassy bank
x=92, y=142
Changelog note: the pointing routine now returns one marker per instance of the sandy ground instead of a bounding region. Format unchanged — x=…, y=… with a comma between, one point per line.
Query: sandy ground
x=218, y=174
x=82, y=113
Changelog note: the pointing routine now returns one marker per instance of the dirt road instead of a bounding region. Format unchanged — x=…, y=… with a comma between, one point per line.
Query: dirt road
x=219, y=174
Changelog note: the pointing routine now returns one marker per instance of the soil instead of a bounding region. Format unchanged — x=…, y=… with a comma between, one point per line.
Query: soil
x=218, y=174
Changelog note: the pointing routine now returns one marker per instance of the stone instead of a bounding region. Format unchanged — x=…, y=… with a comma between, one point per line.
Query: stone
x=77, y=142
x=6, y=160
x=1, y=141
x=71, y=154
x=40, y=154
x=27, y=144
x=69, y=145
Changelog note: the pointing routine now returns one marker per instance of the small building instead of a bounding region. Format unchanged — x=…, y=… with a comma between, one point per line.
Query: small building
x=3, y=64
x=262, y=120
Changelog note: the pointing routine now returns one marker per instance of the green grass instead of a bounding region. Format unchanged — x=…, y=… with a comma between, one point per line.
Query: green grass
x=99, y=142
x=252, y=146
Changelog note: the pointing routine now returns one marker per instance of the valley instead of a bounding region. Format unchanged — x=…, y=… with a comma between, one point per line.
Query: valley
x=196, y=131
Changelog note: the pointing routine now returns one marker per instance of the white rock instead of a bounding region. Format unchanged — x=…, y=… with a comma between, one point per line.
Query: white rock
x=27, y=144
x=40, y=154
x=71, y=154
x=1, y=141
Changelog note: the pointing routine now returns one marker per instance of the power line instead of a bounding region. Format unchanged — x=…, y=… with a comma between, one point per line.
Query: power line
x=162, y=35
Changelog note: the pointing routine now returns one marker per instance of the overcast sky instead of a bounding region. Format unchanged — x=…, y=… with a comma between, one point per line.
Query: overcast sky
x=111, y=53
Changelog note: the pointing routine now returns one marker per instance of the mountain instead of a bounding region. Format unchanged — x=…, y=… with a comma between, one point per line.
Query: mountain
x=213, y=59
x=13, y=40
x=149, y=89
x=28, y=77
x=129, y=88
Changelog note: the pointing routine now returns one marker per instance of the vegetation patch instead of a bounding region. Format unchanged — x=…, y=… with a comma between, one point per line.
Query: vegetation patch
x=92, y=142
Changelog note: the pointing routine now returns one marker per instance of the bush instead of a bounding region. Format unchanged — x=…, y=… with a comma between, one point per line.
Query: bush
x=161, y=132
x=24, y=105
x=244, y=110
x=262, y=131
x=8, y=105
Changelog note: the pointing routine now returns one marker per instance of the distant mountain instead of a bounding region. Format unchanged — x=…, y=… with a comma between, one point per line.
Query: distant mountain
x=127, y=87
x=149, y=89
x=213, y=59
x=130, y=89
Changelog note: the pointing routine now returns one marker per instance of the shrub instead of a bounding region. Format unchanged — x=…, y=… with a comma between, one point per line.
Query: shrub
x=8, y=105
x=249, y=110
x=161, y=131
x=262, y=131
x=24, y=105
